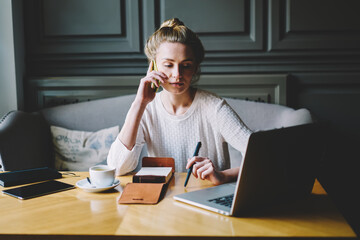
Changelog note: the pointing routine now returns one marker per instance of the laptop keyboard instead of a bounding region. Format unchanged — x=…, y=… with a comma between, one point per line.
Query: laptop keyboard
x=225, y=200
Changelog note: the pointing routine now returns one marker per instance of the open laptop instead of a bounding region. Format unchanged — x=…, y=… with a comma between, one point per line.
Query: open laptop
x=279, y=165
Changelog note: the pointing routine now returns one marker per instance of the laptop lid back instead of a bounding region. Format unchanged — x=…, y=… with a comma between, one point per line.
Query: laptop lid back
x=279, y=165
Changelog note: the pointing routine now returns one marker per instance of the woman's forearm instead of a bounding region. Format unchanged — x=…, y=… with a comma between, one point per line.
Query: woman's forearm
x=230, y=175
x=130, y=128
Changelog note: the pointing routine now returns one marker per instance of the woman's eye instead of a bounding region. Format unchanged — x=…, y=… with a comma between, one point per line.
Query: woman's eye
x=168, y=65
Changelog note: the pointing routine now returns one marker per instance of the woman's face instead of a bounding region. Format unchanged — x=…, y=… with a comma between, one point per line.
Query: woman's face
x=177, y=61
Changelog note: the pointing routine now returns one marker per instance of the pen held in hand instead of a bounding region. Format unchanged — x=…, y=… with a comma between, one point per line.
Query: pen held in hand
x=190, y=169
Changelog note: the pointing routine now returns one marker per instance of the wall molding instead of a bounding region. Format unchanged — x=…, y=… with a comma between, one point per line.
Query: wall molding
x=53, y=91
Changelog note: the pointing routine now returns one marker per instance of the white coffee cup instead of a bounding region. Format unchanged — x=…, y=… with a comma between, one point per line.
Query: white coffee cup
x=102, y=175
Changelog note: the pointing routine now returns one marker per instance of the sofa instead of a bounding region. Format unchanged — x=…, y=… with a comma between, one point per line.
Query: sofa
x=26, y=139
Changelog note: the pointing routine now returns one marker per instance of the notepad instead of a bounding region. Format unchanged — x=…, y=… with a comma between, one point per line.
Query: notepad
x=153, y=175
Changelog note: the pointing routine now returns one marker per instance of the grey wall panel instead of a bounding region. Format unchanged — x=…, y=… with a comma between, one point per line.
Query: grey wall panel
x=314, y=25
x=73, y=27
x=230, y=25
x=82, y=17
x=204, y=16
x=332, y=97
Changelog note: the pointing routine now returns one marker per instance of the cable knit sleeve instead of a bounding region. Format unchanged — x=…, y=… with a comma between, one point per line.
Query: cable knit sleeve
x=123, y=159
x=232, y=128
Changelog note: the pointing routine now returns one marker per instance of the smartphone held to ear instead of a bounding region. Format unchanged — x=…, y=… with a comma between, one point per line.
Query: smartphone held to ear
x=154, y=68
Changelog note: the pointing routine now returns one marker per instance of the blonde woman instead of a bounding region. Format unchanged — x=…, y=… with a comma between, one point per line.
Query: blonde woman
x=172, y=121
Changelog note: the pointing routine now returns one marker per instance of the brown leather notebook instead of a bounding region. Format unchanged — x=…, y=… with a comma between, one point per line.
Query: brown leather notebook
x=153, y=175
x=147, y=193
x=158, y=162
x=141, y=193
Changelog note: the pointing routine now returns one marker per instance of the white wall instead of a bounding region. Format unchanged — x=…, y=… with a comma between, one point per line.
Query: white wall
x=8, y=93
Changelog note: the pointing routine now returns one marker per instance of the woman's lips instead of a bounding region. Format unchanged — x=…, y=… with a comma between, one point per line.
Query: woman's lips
x=177, y=84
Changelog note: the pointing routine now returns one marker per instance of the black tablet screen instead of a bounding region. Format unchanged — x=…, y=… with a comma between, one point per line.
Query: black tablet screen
x=38, y=189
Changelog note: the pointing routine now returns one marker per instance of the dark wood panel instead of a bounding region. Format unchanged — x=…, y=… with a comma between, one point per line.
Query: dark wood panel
x=71, y=32
x=82, y=17
x=211, y=19
x=314, y=25
x=234, y=25
x=323, y=15
x=332, y=97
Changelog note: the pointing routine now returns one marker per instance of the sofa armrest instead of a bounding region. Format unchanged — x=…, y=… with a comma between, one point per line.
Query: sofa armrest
x=25, y=141
x=296, y=117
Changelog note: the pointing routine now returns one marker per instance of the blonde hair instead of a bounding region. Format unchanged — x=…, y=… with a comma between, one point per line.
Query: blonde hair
x=175, y=31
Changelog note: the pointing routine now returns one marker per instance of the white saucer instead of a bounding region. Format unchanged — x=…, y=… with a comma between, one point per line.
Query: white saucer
x=87, y=187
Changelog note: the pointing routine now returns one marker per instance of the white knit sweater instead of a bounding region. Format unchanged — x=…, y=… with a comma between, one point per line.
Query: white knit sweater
x=209, y=120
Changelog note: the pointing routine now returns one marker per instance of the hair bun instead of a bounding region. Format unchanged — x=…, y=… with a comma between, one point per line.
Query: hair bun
x=171, y=23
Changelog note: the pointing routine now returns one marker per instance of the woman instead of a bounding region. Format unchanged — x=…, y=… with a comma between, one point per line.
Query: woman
x=172, y=121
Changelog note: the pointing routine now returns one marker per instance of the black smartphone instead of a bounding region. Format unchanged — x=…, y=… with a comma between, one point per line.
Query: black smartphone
x=38, y=189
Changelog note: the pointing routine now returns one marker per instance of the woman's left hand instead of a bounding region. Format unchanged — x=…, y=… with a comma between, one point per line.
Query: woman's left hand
x=203, y=168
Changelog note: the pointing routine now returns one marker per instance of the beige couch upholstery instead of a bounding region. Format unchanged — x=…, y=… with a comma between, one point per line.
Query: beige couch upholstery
x=25, y=138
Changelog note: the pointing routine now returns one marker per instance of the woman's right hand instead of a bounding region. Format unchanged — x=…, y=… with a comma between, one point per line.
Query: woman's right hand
x=145, y=93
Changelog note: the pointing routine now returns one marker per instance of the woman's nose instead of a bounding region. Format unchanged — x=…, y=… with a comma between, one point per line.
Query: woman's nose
x=176, y=72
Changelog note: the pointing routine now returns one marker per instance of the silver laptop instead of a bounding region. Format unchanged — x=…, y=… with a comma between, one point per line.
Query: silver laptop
x=279, y=165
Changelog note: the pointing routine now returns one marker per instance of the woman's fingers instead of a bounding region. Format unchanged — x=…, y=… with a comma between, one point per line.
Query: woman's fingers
x=153, y=80
x=162, y=77
x=204, y=170
x=191, y=161
x=155, y=77
x=155, y=74
x=200, y=164
x=145, y=93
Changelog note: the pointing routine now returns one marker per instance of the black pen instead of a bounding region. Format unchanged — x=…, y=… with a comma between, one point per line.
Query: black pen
x=190, y=169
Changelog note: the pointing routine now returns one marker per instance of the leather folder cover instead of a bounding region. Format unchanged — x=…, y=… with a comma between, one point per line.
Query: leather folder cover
x=158, y=162
x=142, y=193
x=147, y=193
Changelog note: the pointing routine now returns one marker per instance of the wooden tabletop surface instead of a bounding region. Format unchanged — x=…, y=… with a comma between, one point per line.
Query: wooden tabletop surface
x=77, y=214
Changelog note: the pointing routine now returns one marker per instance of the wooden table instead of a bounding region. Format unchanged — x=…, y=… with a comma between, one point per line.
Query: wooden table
x=76, y=214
